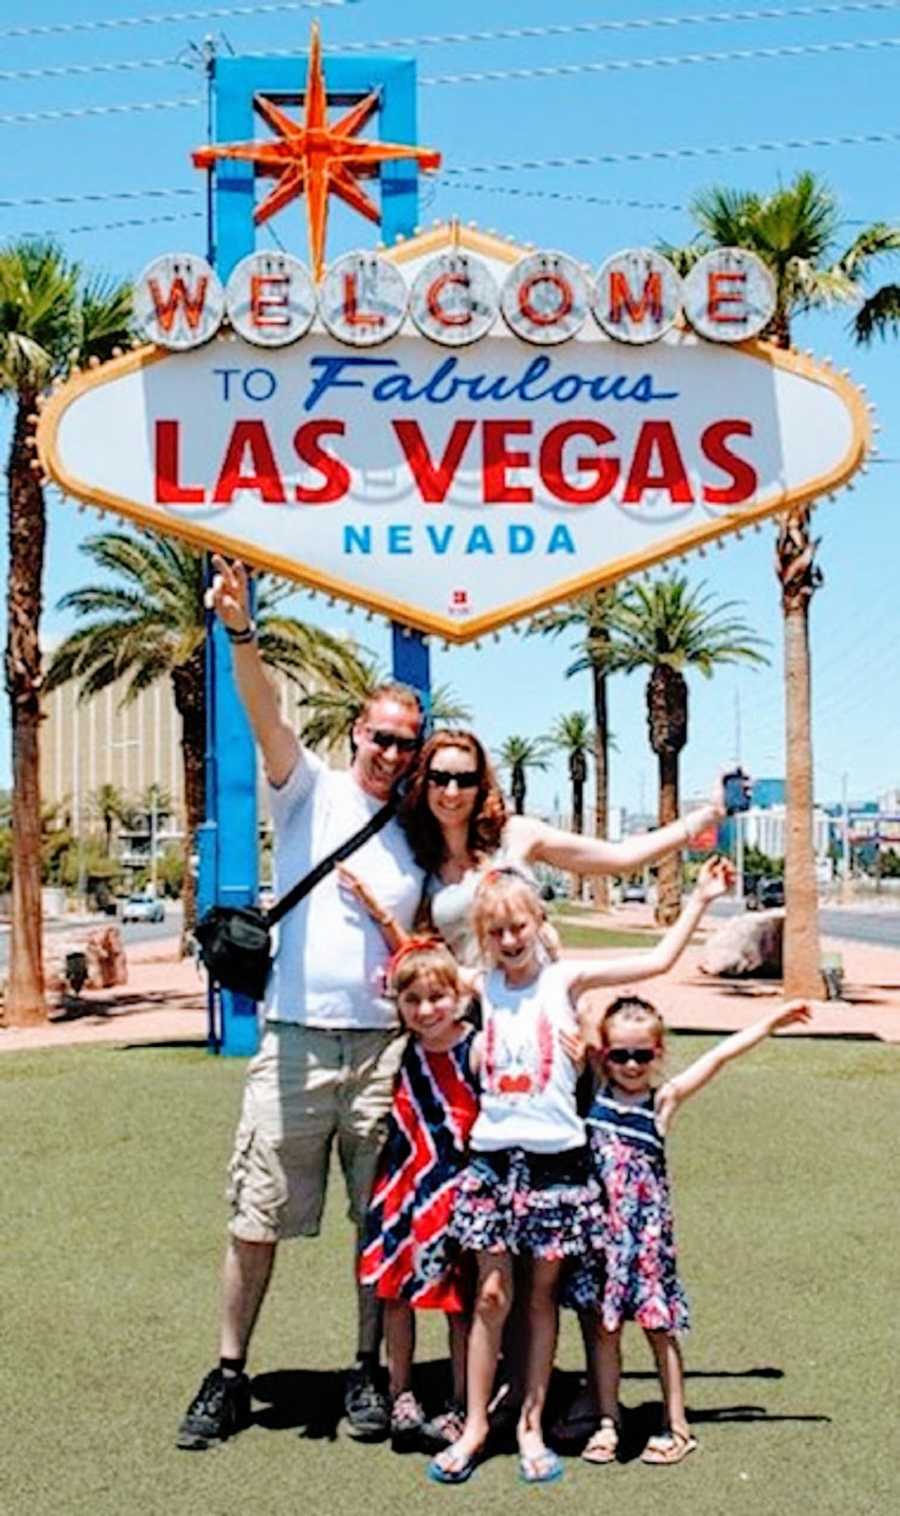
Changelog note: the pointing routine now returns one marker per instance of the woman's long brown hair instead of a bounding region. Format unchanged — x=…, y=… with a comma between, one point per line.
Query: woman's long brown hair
x=488, y=816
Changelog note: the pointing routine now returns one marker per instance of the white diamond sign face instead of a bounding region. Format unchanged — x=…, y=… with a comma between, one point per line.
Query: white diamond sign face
x=455, y=490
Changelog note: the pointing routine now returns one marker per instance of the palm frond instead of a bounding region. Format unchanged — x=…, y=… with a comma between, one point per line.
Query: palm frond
x=875, y=241
x=446, y=707
x=683, y=258
x=878, y=316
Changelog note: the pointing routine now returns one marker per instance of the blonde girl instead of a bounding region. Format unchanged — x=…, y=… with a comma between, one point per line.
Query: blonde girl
x=529, y=1190
x=628, y=1123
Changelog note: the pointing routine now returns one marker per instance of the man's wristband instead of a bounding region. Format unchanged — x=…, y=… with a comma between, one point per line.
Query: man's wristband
x=247, y=635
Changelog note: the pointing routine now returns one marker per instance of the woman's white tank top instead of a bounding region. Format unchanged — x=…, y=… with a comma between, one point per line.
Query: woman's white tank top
x=527, y=1080
x=451, y=906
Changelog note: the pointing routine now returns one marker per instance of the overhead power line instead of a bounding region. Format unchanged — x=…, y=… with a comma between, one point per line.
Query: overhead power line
x=494, y=76
x=214, y=13
x=717, y=150
x=672, y=60
x=98, y=198
x=624, y=24
x=568, y=197
x=76, y=113
x=497, y=75
x=115, y=226
x=650, y=155
x=74, y=70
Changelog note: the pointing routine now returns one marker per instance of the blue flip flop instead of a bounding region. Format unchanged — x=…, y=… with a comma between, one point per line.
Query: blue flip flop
x=540, y=1468
x=461, y=1469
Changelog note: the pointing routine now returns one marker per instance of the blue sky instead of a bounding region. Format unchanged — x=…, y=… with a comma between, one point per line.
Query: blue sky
x=678, y=108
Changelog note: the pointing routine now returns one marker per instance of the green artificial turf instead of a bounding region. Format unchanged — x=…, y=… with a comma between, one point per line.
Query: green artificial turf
x=785, y=1176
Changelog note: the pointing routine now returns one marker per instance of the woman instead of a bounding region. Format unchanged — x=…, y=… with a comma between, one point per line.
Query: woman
x=457, y=823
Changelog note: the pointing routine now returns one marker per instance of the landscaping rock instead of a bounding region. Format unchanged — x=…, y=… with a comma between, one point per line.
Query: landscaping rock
x=746, y=946
x=106, y=958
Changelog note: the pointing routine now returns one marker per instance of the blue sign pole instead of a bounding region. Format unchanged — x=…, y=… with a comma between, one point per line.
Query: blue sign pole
x=228, y=845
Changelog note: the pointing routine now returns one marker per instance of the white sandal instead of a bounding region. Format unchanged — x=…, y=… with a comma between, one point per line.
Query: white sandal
x=603, y=1444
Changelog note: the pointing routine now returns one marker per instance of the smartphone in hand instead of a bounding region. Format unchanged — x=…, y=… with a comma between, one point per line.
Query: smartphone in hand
x=736, y=790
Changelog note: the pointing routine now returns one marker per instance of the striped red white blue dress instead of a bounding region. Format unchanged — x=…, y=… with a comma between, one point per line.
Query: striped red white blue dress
x=407, y=1253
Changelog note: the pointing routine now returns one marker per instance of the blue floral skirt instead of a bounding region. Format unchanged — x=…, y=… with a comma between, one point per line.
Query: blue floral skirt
x=543, y=1205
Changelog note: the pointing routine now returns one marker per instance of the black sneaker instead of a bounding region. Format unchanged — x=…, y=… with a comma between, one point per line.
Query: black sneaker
x=220, y=1408
x=367, y=1410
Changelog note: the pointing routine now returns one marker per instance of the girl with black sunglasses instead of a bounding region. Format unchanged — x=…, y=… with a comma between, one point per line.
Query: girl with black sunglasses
x=627, y=1126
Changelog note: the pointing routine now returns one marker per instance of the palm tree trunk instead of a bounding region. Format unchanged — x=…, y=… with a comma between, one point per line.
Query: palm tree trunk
x=25, y=1004
x=578, y=826
x=600, y=883
x=800, y=578
x=578, y=806
x=188, y=683
x=668, y=873
x=667, y=728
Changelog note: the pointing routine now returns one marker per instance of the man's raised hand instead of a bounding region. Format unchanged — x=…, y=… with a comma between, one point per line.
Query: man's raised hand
x=229, y=594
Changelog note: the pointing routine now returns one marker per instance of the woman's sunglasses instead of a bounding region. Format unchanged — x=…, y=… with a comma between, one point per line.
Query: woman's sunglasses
x=630, y=1055
x=467, y=780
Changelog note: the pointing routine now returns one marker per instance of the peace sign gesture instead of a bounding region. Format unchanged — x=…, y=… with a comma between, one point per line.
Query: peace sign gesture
x=229, y=595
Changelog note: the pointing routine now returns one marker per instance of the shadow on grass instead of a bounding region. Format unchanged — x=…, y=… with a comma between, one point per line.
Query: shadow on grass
x=77, y=1008
x=640, y=1422
x=310, y=1401
x=156, y=1043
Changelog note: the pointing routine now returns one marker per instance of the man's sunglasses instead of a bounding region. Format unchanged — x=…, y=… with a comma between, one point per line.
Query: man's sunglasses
x=386, y=740
x=630, y=1055
x=467, y=780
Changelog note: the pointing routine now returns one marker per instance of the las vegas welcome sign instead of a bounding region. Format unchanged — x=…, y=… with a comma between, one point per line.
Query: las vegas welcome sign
x=458, y=431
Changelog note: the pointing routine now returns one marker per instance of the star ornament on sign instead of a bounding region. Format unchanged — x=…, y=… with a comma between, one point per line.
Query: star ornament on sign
x=315, y=159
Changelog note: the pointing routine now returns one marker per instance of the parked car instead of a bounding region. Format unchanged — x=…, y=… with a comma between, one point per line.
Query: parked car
x=143, y=908
x=634, y=890
x=767, y=895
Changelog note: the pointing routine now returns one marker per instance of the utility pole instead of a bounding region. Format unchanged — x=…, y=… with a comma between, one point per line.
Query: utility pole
x=844, y=842
x=738, y=817
x=154, y=803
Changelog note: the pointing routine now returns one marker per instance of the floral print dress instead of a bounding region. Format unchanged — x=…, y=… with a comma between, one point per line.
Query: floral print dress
x=640, y=1282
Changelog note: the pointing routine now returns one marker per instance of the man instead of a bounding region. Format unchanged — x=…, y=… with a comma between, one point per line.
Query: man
x=330, y=1048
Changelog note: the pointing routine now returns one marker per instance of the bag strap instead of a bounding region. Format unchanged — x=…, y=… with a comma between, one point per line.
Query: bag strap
x=310, y=880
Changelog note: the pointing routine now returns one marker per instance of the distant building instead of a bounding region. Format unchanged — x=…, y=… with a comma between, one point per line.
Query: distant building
x=766, y=793
x=88, y=744
x=85, y=745
x=766, y=829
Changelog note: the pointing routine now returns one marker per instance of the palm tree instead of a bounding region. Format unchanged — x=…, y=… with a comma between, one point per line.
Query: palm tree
x=111, y=806
x=668, y=627
x=50, y=317
x=794, y=230
x=518, y=754
x=333, y=708
x=152, y=626
x=590, y=615
x=572, y=734
x=156, y=798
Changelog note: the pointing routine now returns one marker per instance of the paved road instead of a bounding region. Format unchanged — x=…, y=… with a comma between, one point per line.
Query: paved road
x=132, y=932
x=878, y=926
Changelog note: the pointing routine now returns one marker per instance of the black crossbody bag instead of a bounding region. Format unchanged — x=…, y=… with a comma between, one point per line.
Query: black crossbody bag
x=235, y=940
